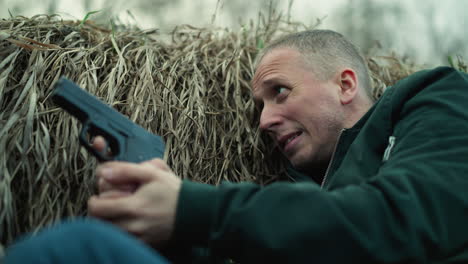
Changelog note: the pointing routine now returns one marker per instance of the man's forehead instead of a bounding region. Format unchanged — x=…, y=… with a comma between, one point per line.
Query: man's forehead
x=268, y=68
x=277, y=56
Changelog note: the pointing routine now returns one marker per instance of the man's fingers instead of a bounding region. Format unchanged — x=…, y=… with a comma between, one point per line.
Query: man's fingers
x=111, y=207
x=115, y=194
x=127, y=177
x=124, y=172
x=105, y=186
x=99, y=143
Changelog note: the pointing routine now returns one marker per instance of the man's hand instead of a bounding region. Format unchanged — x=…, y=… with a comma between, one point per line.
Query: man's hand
x=106, y=188
x=147, y=212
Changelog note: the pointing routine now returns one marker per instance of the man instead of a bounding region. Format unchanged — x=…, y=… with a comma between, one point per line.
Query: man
x=385, y=182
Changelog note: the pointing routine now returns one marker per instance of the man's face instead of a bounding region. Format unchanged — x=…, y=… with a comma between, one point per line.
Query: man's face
x=303, y=115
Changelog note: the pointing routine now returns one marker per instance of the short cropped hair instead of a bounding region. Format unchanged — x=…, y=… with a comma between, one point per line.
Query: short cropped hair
x=325, y=51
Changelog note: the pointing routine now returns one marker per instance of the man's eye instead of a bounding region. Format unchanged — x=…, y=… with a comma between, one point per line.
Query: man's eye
x=280, y=89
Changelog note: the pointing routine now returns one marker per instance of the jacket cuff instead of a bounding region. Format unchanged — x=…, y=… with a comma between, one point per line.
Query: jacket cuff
x=195, y=213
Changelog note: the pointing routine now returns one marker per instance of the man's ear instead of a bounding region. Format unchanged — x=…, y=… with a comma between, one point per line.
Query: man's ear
x=348, y=81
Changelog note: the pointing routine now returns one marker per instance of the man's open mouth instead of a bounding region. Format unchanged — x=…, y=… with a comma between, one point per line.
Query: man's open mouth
x=285, y=141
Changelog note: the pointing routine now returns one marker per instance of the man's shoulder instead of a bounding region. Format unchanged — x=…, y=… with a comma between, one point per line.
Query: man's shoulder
x=427, y=82
x=424, y=78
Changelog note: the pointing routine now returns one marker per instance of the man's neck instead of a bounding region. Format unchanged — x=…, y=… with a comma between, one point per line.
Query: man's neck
x=357, y=110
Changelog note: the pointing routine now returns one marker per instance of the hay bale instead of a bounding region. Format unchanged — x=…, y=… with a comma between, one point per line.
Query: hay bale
x=191, y=87
x=193, y=90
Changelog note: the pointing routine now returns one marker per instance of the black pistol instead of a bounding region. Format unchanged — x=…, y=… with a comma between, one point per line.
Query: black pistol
x=127, y=140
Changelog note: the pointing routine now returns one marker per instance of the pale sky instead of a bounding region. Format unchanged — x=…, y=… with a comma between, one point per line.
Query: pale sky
x=411, y=35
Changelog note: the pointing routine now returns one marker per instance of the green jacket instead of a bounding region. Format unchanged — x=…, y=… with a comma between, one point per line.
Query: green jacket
x=396, y=191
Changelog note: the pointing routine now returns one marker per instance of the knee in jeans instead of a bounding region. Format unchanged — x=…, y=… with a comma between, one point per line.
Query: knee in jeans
x=86, y=229
x=81, y=241
x=85, y=226
x=71, y=232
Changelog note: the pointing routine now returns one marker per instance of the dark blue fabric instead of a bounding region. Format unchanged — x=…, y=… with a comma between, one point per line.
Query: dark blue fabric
x=82, y=241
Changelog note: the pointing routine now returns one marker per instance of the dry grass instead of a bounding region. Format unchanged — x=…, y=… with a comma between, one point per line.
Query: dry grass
x=192, y=89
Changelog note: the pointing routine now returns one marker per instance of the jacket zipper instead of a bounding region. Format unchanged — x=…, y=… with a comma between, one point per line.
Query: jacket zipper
x=332, y=157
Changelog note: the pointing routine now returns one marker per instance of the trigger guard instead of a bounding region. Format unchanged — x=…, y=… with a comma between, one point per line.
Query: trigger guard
x=85, y=143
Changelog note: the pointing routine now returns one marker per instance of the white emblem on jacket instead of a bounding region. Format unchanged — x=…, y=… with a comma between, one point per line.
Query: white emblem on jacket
x=388, y=150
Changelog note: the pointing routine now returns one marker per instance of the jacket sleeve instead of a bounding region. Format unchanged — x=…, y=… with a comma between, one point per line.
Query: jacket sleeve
x=414, y=209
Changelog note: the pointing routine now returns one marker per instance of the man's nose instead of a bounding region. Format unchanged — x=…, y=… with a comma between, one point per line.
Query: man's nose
x=269, y=119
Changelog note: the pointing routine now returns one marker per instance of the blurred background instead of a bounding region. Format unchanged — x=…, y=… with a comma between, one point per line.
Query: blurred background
x=426, y=32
